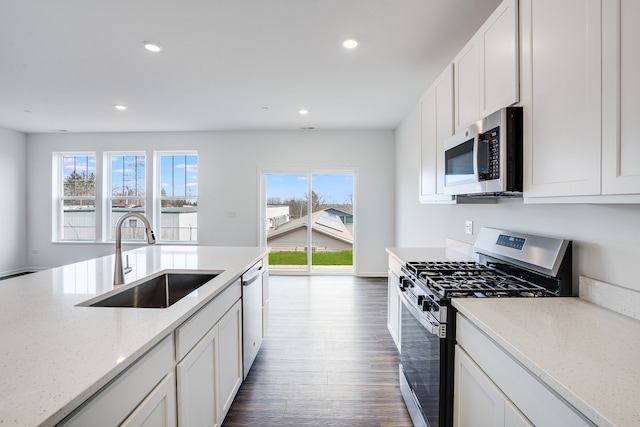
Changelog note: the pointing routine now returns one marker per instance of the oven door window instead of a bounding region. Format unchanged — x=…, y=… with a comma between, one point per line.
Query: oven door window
x=459, y=164
x=420, y=357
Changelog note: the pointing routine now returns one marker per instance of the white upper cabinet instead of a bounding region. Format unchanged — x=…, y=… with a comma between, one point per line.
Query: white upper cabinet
x=486, y=69
x=620, y=95
x=499, y=74
x=436, y=124
x=579, y=83
x=561, y=81
x=466, y=67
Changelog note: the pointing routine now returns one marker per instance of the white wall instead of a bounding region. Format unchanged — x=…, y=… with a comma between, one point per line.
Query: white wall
x=229, y=167
x=13, y=175
x=606, y=238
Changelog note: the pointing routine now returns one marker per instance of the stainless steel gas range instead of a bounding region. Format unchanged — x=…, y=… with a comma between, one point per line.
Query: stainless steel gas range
x=511, y=264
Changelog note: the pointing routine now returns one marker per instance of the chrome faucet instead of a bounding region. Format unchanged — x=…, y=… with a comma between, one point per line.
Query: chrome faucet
x=118, y=273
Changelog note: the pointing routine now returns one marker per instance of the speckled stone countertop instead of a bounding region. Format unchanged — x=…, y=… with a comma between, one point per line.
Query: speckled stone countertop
x=587, y=354
x=55, y=355
x=404, y=255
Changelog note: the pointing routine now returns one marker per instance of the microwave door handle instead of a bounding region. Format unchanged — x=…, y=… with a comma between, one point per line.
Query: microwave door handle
x=476, y=153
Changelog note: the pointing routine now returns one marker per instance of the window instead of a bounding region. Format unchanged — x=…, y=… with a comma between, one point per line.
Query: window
x=88, y=203
x=127, y=193
x=178, y=196
x=76, y=213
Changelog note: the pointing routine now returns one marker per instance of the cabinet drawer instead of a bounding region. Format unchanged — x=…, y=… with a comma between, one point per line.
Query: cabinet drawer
x=191, y=331
x=534, y=399
x=113, y=404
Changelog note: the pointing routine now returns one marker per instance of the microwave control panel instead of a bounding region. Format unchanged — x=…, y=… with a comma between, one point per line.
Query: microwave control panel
x=490, y=140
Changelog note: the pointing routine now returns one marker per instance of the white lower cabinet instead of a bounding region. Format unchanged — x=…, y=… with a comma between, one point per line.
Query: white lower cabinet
x=210, y=374
x=189, y=384
x=478, y=401
x=197, y=383
x=492, y=389
x=230, y=357
x=393, y=300
x=128, y=398
x=158, y=409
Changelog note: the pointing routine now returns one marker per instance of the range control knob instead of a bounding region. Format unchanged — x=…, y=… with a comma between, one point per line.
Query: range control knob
x=420, y=299
x=426, y=305
x=404, y=284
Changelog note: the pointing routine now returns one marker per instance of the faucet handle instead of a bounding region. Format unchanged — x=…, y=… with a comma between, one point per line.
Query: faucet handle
x=127, y=269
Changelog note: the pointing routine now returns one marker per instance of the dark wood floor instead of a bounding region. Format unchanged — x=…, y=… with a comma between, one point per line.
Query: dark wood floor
x=327, y=359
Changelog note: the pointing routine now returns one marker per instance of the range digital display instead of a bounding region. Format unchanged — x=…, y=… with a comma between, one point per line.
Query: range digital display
x=511, y=242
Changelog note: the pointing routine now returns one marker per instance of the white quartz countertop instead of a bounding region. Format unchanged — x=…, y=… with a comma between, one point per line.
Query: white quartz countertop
x=587, y=354
x=55, y=355
x=404, y=255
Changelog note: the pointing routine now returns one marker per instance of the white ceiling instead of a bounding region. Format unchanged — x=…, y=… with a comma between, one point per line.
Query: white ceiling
x=226, y=64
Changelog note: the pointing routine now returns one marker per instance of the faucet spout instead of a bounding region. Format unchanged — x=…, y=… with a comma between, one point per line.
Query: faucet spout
x=118, y=273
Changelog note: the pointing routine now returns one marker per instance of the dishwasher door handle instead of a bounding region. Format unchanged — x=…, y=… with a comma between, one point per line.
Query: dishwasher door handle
x=252, y=278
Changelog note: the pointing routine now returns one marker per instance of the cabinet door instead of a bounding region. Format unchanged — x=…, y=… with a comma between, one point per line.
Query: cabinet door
x=513, y=417
x=427, y=145
x=230, y=357
x=393, y=308
x=561, y=95
x=466, y=68
x=115, y=402
x=500, y=85
x=197, y=383
x=158, y=409
x=436, y=125
x=478, y=401
x=620, y=91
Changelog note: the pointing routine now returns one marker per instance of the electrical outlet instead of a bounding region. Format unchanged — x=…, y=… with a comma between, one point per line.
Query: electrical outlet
x=468, y=227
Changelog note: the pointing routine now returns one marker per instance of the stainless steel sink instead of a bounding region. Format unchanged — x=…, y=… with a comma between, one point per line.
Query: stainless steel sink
x=158, y=292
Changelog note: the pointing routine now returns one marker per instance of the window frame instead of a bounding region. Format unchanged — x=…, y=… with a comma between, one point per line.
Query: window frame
x=109, y=197
x=60, y=198
x=157, y=188
x=103, y=195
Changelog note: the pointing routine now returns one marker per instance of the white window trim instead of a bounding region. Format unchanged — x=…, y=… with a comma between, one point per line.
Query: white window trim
x=103, y=195
x=107, y=187
x=157, y=191
x=57, y=231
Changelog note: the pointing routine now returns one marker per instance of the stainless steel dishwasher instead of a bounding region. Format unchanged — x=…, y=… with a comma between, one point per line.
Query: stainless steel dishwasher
x=252, y=314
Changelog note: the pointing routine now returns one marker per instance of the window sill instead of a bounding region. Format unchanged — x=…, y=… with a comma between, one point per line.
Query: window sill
x=113, y=242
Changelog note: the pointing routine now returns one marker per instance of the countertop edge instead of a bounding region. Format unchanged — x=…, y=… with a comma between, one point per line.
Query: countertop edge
x=547, y=379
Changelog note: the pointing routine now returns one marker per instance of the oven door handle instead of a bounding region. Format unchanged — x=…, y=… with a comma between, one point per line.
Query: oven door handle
x=434, y=327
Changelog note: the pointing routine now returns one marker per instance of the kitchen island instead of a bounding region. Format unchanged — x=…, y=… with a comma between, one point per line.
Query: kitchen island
x=55, y=354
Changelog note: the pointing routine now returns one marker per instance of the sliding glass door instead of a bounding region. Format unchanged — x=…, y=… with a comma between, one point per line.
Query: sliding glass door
x=309, y=222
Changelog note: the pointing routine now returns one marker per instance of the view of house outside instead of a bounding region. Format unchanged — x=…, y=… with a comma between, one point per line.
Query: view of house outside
x=178, y=219
x=330, y=220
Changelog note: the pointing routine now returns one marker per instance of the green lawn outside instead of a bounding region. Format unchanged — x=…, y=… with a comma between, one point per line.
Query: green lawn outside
x=318, y=258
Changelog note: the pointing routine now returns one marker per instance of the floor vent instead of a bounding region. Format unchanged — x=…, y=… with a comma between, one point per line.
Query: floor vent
x=11, y=276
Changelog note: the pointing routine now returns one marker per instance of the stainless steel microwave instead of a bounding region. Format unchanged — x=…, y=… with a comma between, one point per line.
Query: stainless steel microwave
x=485, y=159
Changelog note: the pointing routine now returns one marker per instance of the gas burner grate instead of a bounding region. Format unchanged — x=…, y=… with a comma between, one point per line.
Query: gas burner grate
x=464, y=279
x=446, y=267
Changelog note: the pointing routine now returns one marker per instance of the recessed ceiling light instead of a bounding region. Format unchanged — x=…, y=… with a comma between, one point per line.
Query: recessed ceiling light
x=120, y=107
x=152, y=47
x=303, y=112
x=350, y=43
